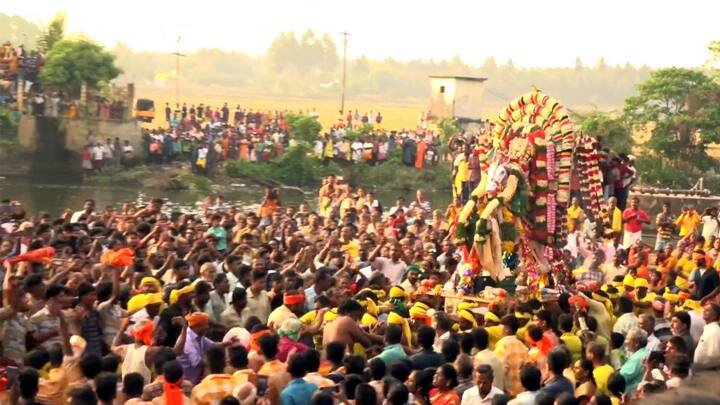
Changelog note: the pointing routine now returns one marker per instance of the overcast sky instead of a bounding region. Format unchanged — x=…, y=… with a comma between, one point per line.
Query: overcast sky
x=531, y=32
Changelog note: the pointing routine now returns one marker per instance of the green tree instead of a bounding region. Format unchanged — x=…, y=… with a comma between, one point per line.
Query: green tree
x=448, y=128
x=679, y=107
x=72, y=62
x=303, y=128
x=53, y=33
x=613, y=132
x=283, y=51
x=713, y=64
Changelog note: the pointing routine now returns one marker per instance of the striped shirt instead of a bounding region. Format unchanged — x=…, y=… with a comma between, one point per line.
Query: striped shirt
x=45, y=323
x=13, y=341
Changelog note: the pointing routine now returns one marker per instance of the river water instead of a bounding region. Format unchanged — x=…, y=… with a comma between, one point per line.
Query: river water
x=55, y=197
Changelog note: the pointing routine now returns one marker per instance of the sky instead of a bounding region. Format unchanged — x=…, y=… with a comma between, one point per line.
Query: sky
x=535, y=33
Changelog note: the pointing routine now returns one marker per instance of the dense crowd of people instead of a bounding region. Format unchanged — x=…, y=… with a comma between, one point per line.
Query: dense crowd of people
x=349, y=302
x=205, y=136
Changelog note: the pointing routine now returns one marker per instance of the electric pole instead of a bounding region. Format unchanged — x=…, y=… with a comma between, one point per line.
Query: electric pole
x=177, y=69
x=344, y=72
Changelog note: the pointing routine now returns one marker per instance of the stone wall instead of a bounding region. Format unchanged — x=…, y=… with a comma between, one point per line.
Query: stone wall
x=27, y=132
x=80, y=131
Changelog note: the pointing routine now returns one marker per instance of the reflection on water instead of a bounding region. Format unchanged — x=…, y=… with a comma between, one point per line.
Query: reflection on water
x=54, y=198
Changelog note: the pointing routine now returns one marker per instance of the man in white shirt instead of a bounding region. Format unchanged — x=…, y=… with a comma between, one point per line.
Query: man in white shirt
x=443, y=329
x=707, y=352
x=98, y=154
x=257, y=299
x=487, y=356
x=399, y=204
x=357, y=148
x=483, y=391
x=647, y=323
x=421, y=203
x=393, y=268
x=88, y=210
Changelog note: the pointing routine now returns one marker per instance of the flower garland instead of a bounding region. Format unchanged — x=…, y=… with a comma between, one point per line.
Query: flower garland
x=551, y=202
x=588, y=169
x=539, y=182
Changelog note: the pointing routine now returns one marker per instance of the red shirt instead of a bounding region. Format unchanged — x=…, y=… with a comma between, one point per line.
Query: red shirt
x=632, y=221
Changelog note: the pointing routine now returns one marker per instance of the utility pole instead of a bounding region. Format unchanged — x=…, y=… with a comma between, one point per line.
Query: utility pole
x=344, y=72
x=177, y=69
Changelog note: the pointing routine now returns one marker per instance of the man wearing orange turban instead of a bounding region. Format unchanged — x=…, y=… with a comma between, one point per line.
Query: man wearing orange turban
x=193, y=343
x=198, y=321
x=293, y=304
x=134, y=354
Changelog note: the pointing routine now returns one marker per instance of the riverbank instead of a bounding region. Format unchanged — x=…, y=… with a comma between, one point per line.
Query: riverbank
x=294, y=169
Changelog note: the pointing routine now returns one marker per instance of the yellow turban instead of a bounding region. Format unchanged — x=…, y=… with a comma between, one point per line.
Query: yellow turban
x=369, y=306
x=629, y=281
x=605, y=301
x=140, y=301
x=380, y=294
x=395, y=319
x=466, y=305
x=368, y=319
x=520, y=315
x=154, y=298
x=397, y=292
x=491, y=317
x=419, y=311
x=176, y=294
x=692, y=305
x=468, y=316
x=672, y=298
x=151, y=281
x=641, y=283
x=137, y=303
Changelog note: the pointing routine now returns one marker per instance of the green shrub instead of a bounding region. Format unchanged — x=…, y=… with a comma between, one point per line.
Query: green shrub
x=294, y=168
x=303, y=127
x=654, y=172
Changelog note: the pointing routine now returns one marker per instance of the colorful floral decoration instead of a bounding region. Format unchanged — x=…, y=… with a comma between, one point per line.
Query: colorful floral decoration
x=548, y=127
x=588, y=170
x=533, y=144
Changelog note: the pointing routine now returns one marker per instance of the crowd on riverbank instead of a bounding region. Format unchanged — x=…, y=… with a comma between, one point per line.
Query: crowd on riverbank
x=21, y=67
x=258, y=138
x=351, y=302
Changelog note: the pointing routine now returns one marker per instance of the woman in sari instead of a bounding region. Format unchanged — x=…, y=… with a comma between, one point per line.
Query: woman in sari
x=422, y=148
x=244, y=149
x=445, y=380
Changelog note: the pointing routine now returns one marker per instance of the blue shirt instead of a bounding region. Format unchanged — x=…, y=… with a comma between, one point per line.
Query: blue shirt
x=298, y=392
x=391, y=354
x=559, y=385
